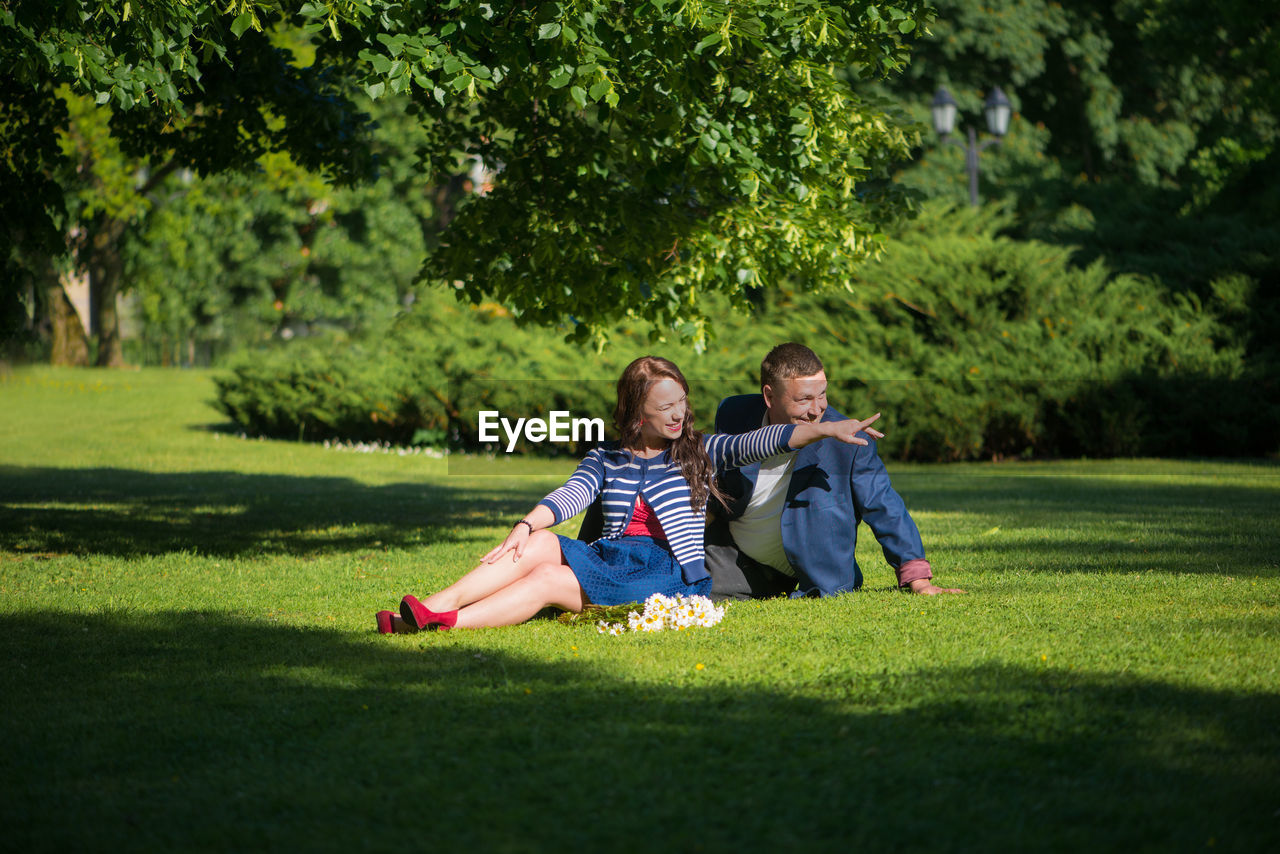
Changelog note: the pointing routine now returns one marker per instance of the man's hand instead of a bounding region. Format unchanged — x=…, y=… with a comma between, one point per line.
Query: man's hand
x=926, y=587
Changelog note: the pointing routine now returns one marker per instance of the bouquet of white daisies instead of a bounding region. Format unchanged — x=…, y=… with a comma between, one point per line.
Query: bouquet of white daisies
x=666, y=612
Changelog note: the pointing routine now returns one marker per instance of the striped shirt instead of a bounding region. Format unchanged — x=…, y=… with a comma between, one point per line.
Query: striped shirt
x=618, y=476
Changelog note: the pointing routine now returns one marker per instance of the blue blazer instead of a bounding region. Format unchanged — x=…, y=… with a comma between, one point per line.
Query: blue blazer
x=833, y=487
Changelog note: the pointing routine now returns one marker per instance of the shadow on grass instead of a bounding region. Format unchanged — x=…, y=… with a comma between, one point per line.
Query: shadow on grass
x=128, y=512
x=1151, y=524
x=946, y=490
x=201, y=731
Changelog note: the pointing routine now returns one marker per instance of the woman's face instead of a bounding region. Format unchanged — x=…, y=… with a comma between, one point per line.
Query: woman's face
x=665, y=409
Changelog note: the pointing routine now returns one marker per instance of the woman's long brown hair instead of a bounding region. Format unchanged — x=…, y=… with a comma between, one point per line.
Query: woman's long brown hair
x=686, y=451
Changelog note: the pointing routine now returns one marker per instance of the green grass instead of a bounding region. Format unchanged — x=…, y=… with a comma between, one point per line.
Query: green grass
x=189, y=662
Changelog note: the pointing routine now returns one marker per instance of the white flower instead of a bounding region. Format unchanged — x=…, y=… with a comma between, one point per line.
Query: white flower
x=668, y=612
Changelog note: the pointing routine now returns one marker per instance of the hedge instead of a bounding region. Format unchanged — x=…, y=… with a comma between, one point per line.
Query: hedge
x=972, y=344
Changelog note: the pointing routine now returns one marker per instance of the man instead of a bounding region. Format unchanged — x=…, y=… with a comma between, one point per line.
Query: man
x=792, y=521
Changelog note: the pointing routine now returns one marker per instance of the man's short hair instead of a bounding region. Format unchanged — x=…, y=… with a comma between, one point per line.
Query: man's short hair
x=787, y=361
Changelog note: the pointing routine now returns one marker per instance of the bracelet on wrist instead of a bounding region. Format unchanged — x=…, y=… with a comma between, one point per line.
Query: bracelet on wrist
x=523, y=522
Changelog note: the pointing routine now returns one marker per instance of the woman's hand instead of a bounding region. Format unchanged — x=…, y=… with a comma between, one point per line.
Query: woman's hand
x=539, y=518
x=515, y=541
x=845, y=431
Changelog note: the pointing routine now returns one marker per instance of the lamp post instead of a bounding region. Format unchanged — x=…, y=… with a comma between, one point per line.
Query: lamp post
x=997, y=110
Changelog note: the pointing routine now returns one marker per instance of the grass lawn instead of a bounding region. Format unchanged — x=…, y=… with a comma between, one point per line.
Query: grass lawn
x=188, y=660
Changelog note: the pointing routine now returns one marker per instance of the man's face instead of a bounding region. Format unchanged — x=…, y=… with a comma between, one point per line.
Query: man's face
x=800, y=400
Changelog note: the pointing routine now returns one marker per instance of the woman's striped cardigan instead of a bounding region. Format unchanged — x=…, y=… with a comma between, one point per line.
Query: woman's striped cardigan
x=621, y=476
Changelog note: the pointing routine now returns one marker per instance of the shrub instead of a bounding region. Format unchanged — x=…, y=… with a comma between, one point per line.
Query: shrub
x=984, y=346
x=427, y=376
x=972, y=344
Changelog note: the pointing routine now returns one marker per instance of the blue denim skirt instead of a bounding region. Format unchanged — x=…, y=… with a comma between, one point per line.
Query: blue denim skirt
x=627, y=569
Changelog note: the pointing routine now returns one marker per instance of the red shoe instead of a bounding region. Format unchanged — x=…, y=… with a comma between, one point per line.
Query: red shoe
x=387, y=624
x=420, y=617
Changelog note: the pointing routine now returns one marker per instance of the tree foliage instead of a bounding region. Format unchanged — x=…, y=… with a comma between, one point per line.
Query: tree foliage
x=198, y=79
x=649, y=152
x=650, y=156
x=197, y=85
x=1162, y=93
x=235, y=259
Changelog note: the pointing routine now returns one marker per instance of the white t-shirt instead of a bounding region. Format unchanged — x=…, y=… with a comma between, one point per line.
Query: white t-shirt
x=758, y=532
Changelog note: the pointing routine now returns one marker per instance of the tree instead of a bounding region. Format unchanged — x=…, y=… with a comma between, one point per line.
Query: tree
x=647, y=152
x=176, y=84
x=239, y=259
x=1175, y=94
x=1147, y=135
x=104, y=192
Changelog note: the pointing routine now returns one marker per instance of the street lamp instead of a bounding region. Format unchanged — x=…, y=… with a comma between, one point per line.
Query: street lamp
x=997, y=110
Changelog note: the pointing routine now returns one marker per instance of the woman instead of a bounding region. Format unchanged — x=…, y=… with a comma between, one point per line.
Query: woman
x=655, y=483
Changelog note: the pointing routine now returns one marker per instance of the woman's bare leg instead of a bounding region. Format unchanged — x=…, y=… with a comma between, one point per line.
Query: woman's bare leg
x=550, y=583
x=488, y=578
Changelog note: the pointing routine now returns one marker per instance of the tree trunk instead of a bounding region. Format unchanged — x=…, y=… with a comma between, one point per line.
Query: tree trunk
x=69, y=344
x=106, y=269
x=106, y=275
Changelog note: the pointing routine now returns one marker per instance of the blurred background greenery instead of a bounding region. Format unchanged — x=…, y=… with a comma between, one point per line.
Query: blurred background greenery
x=1115, y=293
